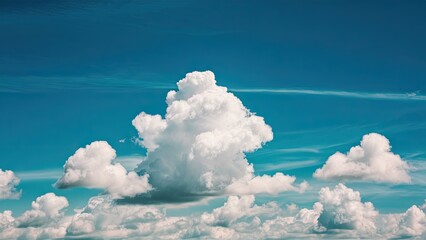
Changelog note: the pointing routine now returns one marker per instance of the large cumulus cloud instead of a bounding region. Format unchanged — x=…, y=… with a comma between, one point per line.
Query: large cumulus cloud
x=199, y=146
x=8, y=183
x=372, y=160
x=92, y=167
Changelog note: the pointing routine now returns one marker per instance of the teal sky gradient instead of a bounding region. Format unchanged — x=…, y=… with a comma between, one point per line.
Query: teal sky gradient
x=321, y=74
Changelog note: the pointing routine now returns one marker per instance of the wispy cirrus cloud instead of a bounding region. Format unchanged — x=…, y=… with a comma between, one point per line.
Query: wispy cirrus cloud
x=365, y=95
x=43, y=174
x=12, y=84
x=287, y=165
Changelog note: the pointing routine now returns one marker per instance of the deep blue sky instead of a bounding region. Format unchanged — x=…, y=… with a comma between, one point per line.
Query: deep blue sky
x=347, y=45
x=72, y=73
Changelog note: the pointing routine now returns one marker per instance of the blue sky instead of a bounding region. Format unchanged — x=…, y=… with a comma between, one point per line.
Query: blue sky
x=322, y=74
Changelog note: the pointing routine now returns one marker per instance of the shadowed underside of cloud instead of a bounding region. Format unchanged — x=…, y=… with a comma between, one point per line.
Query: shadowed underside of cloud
x=372, y=160
x=339, y=213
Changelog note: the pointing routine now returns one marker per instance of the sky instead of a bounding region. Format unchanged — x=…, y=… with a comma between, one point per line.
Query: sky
x=86, y=114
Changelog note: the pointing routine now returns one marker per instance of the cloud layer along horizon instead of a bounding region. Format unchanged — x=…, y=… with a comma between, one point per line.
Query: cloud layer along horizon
x=339, y=213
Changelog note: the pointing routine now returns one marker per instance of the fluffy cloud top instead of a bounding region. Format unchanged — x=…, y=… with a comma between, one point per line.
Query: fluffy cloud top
x=408, y=224
x=337, y=209
x=413, y=222
x=92, y=167
x=343, y=209
x=372, y=160
x=44, y=209
x=198, y=148
x=236, y=208
x=265, y=184
x=45, y=220
x=8, y=183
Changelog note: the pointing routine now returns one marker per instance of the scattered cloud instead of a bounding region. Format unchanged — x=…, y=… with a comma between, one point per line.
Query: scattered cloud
x=237, y=207
x=372, y=160
x=92, y=167
x=196, y=150
x=266, y=184
x=8, y=183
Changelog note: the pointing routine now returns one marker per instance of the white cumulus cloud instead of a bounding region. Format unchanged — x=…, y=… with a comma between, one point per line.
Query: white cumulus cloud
x=409, y=224
x=372, y=160
x=265, y=184
x=237, y=207
x=45, y=220
x=44, y=209
x=92, y=167
x=343, y=209
x=199, y=146
x=103, y=217
x=8, y=183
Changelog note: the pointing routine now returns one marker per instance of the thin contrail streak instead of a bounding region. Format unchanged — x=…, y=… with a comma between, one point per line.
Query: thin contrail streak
x=365, y=95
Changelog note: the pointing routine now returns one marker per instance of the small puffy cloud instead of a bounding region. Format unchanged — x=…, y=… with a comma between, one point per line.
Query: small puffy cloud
x=8, y=183
x=413, y=222
x=343, y=209
x=199, y=146
x=409, y=224
x=235, y=208
x=6, y=220
x=92, y=167
x=372, y=160
x=45, y=220
x=265, y=184
x=44, y=209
